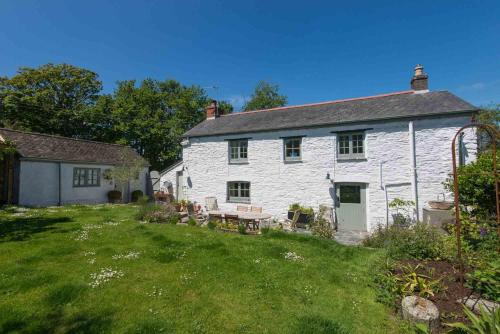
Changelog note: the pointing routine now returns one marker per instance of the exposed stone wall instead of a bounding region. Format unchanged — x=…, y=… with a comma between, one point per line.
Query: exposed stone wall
x=276, y=184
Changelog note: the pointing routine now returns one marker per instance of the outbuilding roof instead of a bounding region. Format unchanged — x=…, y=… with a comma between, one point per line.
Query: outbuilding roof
x=56, y=148
x=372, y=108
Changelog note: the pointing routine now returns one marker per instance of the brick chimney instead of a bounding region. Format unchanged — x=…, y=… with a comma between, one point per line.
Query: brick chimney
x=212, y=110
x=419, y=82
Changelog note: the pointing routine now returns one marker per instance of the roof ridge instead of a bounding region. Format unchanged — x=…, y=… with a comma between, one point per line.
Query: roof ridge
x=63, y=137
x=322, y=103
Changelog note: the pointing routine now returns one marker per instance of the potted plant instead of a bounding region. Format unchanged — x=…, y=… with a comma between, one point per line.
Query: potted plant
x=306, y=215
x=114, y=196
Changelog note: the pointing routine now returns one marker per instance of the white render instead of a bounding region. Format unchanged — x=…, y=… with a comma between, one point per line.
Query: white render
x=276, y=184
x=39, y=184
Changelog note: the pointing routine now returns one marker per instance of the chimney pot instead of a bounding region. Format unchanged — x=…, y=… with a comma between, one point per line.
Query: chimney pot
x=420, y=80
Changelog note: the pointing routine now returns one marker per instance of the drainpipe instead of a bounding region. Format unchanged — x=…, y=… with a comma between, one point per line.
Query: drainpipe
x=59, y=200
x=413, y=167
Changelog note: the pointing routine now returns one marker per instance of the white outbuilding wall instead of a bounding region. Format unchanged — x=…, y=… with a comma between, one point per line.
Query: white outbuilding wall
x=39, y=184
x=276, y=184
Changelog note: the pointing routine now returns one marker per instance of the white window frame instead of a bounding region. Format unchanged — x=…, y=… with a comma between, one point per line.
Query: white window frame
x=86, y=177
x=288, y=140
x=352, y=153
x=238, y=197
x=242, y=154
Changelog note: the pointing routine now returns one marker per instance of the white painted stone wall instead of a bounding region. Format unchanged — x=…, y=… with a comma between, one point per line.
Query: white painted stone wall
x=39, y=184
x=170, y=176
x=276, y=184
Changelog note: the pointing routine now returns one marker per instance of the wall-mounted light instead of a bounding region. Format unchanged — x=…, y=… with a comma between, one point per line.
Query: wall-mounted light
x=328, y=175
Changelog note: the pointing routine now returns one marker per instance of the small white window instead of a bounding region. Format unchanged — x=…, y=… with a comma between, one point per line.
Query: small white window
x=238, y=151
x=238, y=191
x=351, y=145
x=292, y=148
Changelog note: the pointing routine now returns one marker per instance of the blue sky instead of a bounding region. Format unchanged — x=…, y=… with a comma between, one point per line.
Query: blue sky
x=315, y=51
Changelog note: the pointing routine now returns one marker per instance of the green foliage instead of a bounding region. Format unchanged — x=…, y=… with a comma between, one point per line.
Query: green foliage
x=6, y=148
x=242, y=229
x=403, y=210
x=192, y=221
x=491, y=116
x=51, y=99
x=321, y=227
x=419, y=241
x=486, y=323
x=305, y=210
x=265, y=96
x=225, y=107
x=387, y=286
x=411, y=281
x=136, y=195
x=486, y=280
x=157, y=213
x=211, y=225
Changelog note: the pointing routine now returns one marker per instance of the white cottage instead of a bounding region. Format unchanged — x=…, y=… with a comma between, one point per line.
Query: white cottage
x=355, y=155
x=52, y=170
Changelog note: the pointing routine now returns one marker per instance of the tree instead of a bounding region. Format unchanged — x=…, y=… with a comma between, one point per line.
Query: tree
x=50, y=99
x=488, y=115
x=265, y=96
x=153, y=116
x=225, y=107
x=128, y=170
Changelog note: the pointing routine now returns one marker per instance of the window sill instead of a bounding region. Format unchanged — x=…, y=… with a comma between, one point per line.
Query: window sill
x=94, y=186
x=237, y=201
x=347, y=159
x=292, y=161
x=242, y=162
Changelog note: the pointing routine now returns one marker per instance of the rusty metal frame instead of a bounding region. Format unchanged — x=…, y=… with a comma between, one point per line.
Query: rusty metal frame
x=494, y=135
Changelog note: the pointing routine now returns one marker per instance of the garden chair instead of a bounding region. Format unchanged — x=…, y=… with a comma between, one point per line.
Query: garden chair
x=191, y=213
x=294, y=220
x=242, y=208
x=256, y=209
x=211, y=204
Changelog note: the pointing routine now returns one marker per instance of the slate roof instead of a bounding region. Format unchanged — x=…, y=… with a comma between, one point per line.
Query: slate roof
x=372, y=108
x=55, y=148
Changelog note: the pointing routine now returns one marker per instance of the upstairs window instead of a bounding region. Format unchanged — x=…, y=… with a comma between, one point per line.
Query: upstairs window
x=86, y=177
x=238, y=191
x=238, y=150
x=351, y=145
x=292, y=148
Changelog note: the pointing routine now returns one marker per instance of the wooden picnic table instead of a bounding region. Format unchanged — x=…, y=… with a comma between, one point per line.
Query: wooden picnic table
x=245, y=215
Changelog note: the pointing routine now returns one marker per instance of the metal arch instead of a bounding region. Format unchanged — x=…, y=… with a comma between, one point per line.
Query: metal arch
x=494, y=135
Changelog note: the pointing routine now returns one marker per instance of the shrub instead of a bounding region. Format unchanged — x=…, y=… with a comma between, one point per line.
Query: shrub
x=322, y=228
x=411, y=281
x=192, y=221
x=305, y=210
x=136, y=194
x=242, y=229
x=114, y=196
x=160, y=214
x=420, y=241
x=486, y=280
x=211, y=225
x=403, y=209
x=486, y=323
x=143, y=200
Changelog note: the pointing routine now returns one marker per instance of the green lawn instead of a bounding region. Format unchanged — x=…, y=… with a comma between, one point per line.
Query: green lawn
x=181, y=279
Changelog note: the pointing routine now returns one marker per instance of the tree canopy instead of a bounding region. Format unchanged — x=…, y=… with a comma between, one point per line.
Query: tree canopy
x=51, y=99
x=265, y=96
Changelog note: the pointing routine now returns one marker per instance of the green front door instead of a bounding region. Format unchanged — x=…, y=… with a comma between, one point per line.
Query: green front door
x=351, y=206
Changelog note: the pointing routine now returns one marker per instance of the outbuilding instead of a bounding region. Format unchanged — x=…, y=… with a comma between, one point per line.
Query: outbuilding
x=45, y=170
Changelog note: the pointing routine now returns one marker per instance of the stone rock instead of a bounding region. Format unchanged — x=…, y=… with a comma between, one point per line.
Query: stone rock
x=420, y=310
x=475, y=304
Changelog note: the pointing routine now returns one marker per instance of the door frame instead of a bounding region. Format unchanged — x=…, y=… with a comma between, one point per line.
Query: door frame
x=364, y=202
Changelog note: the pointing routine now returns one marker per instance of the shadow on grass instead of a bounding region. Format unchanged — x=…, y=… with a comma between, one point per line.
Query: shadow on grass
x=19, y=229
x=318, y=325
